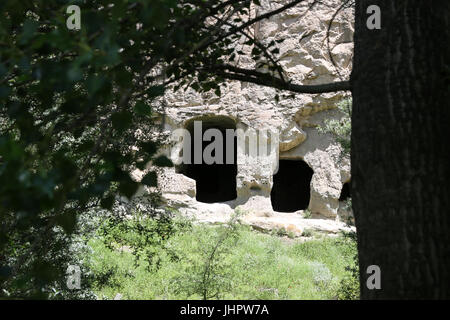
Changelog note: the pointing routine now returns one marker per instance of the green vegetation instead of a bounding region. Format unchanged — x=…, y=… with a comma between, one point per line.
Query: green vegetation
x=79, y=110
x=349, y=285
x=341, y=129
x=307, y=233
x=220, y=262
x=307, y=214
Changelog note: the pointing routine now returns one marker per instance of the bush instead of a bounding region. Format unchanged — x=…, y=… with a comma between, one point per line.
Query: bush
x=349, y=285
x=341, y=129
x=145, y=236
x=209, y=274
x=307, y=233
x=307, y=214
x=223, y=262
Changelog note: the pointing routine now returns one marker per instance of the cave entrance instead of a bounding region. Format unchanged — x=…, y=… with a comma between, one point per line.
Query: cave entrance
x=345, y=192
x=214, y=182
x=291, y=186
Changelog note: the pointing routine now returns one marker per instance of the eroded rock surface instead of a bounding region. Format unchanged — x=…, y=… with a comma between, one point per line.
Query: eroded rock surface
x=305, y=58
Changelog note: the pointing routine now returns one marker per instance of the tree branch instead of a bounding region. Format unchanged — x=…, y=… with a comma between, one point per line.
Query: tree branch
x=250, y=22
x=264, y=79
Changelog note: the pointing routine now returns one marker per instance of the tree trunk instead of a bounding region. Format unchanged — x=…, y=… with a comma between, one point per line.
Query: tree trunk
x=400, y=148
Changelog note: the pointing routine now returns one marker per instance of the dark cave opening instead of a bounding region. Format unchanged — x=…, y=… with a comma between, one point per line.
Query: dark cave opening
x=214, y=182
x=345, y=192
x=291, y=186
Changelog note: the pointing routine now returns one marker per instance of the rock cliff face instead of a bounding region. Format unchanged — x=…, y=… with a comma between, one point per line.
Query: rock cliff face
x=305, y=58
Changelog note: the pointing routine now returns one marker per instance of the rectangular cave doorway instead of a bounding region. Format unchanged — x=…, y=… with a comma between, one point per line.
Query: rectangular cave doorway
x=291, y=186
x=214, y=182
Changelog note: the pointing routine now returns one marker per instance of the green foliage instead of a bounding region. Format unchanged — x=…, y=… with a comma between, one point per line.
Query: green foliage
x=307, y=233
x=207, y=274
x=341, y=129
x=146, y=237
x=283, y=232
x=70, y=106
x=307, y=214
x=349, y=287
x=322, y=276
x=279, y=232
x=246, y=265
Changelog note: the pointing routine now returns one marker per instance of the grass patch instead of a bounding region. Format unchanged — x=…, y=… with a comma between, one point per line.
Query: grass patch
x=220, y=262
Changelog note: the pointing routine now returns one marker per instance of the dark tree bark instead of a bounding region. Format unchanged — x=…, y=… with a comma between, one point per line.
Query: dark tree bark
x=400, y=148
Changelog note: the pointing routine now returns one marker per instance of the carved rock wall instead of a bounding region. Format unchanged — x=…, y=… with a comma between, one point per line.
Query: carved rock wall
x=305, y=58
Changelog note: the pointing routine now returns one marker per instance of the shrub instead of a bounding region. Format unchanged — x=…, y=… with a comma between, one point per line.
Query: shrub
x=341, y=129
x=307, y=214
x=307, y=233
x=145, y=236
x=349, y=285
x=322, y=276
x=208, y=274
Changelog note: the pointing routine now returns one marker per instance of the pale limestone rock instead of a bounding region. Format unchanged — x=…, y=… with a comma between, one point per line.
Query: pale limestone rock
x=171, y=182
x=304, y=56
x=291, y=136
x=325, y=183
x=257, y=206
x=295, y=223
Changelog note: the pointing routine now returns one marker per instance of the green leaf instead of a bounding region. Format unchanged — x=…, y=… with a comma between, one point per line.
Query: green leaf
x=142, y=109
x=107, y=203
x=256, y=51
x=128, y=187
x=156, y=91
x=86, y=146
x=163, y=161
x=150, y=179
x=149, y=147
x=67, y=221
x=95, y=83
x=29, y=29
x=5, y=272
x=74, y=73
x=122, y=120
x=3, y=70
x=124, y=78
x=4, y=92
